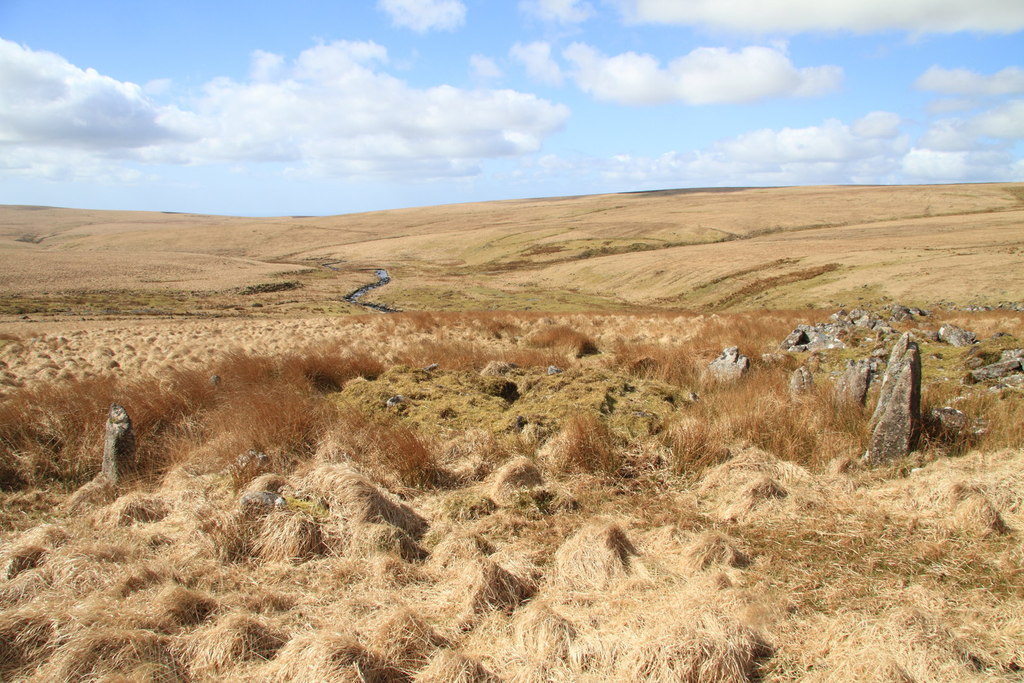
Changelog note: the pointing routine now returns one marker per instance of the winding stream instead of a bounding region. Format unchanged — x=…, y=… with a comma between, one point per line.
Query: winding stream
x=383, y=278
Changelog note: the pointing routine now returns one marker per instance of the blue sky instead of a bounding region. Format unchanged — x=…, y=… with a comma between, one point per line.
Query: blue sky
x=313, y=107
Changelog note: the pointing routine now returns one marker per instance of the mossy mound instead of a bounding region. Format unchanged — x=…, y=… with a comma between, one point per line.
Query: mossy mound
x=447, y=402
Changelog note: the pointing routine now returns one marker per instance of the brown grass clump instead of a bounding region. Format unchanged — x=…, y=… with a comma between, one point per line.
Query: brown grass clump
x=404, y=640
x=449, y=666
x=976, y=515
x=696, y=445
x=544, y=635
x=565, y=339
x=183, y=606
x=138, y=508
x=584, y=445
x=98, y=492
x=754, y=494
x=267, y=482
x=21, y=558
x=458, y=550
x=324, y=656
x=702, y=646
x=96, y=653
x=288, y=536
x=515, y=475
x=233, y=639
x=593, y=558
x=488, y=586
x=712, y=548
x=353, y=497
x=26, y=638
x=381, y=445
x=228, y=534
x=370, y=539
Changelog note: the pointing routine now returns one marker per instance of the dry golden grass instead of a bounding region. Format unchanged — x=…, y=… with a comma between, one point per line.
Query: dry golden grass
x=644, y=523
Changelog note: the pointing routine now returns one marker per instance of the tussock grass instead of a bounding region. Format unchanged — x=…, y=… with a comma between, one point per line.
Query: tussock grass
x=748, y=542
x=234, y=638
x=594, y=558
x=565, y=339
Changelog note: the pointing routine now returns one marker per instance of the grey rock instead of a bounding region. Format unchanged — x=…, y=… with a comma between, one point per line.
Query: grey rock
x=730, y=365
x=801, y=381
x=956, y=336
x=261, y=501
x=432, y=367
x=896, y=421
x=215, y=380
x=996, y=370
x=855, y=381
x=118, y=445
x=554, y=370
x=899, y=313
x=1011, y=354
x=395, y=400
x=951, y=419
x=253, y=460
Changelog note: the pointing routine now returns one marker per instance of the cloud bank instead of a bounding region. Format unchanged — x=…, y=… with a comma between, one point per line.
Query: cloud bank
x=333, y=110
x=795, y=16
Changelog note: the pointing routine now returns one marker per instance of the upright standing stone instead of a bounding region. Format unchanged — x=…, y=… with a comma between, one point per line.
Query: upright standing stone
x=119, y=445
x=853, y=384
x=896, y=422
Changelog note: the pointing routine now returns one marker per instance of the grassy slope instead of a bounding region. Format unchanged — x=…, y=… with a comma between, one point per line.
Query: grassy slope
x=716, y=248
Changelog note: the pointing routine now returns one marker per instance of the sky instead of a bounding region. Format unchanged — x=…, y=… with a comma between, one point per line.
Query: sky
x=316, y=107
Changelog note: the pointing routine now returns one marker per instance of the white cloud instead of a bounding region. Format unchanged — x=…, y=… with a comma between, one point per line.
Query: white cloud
x=878, y=124
x=792, y=16
x=1005, y=121
x=425, y=15
x=46, y=99
x=560, y=11
x=332, y=110
x=931, y=165
x=948, y=135
x=1009, y=81
x=484, y=68
x=707, y=75
x=536, y=57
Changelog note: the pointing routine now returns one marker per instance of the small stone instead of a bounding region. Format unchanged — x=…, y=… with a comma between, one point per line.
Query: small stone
x=519, y=424
x=951, y=419
x=252, y=459
x=395, y=400
x=215, y=380
x=261, y=501
x=554, y=370
x=432, y=367
x=956, y=336
x=801, y=381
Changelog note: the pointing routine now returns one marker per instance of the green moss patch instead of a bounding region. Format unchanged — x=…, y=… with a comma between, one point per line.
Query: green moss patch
x=446, y=402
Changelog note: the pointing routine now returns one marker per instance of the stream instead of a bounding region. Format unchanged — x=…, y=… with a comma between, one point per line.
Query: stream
x=383, y=278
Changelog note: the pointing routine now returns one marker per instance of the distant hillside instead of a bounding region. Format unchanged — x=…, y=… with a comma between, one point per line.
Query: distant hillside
x=718, y=249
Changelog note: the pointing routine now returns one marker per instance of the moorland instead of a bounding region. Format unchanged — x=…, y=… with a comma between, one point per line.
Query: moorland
x=530, y=472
